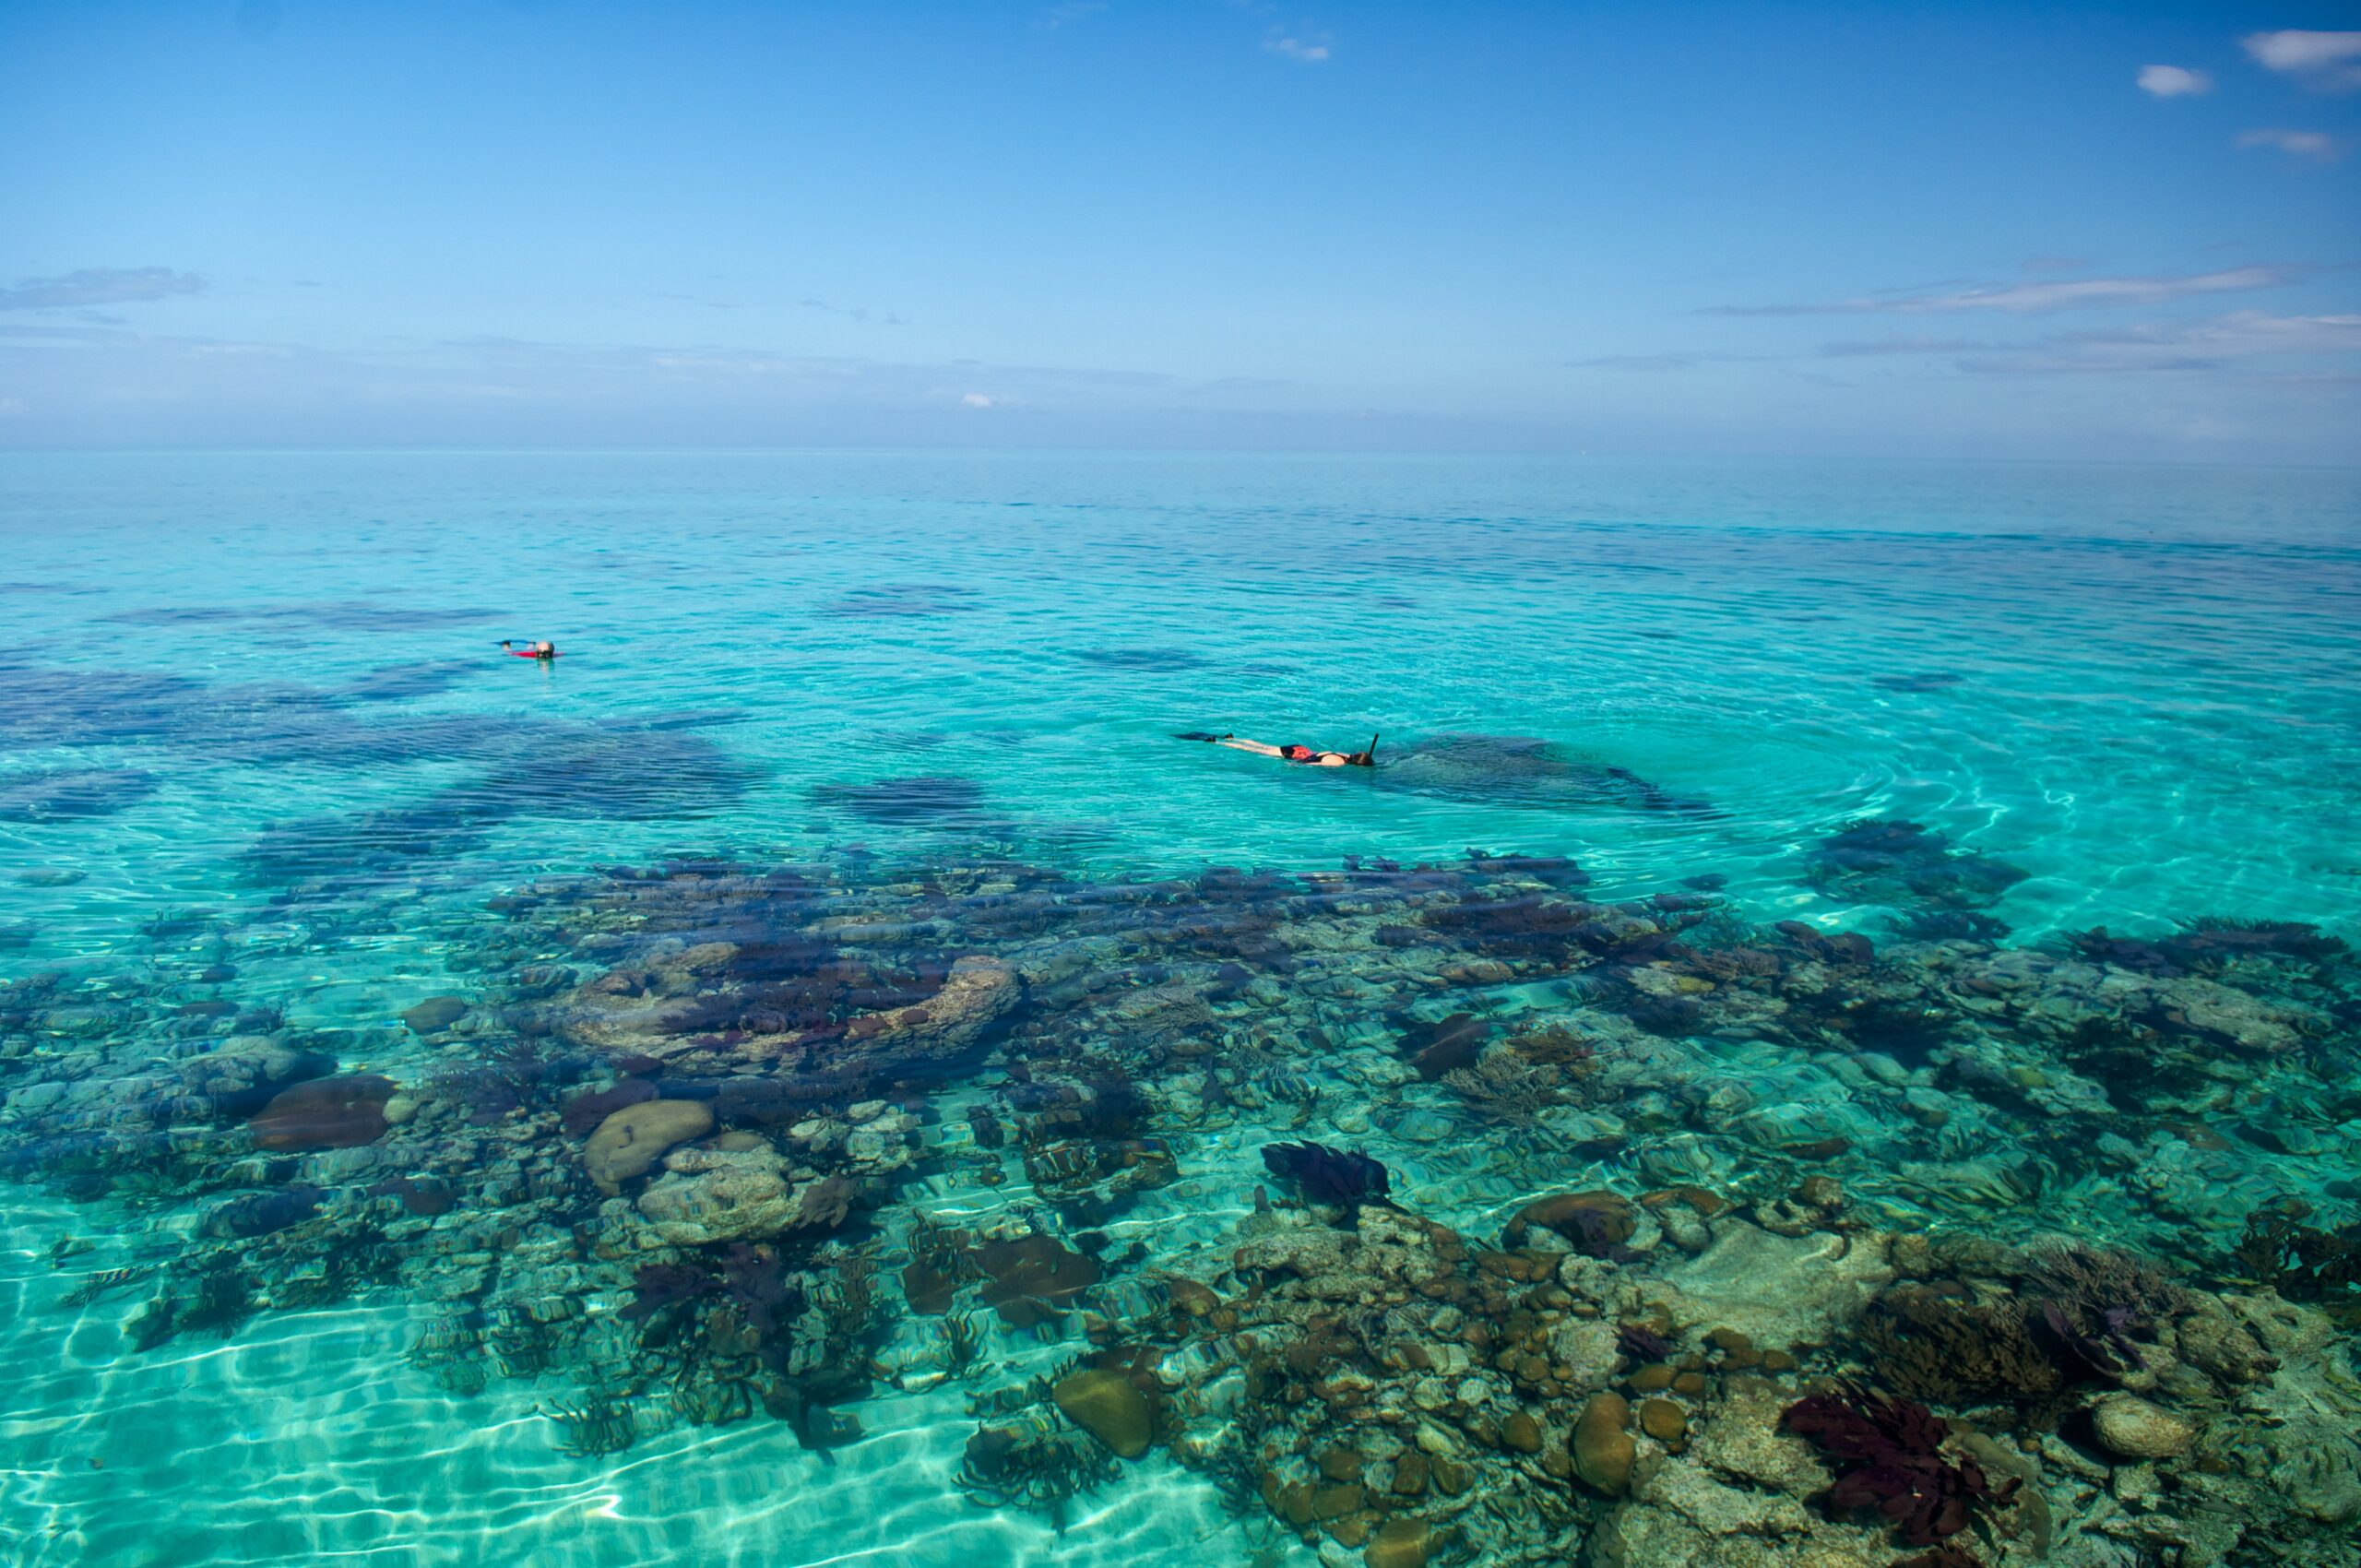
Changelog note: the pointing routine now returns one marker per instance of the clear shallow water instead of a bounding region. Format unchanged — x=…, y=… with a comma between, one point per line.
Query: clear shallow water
x=251, y=717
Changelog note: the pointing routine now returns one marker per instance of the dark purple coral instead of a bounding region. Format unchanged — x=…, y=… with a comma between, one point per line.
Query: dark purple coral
x=660, y=1285
x=1643, y=1344
x=757, y=1286
x=1888, y=1455
x=1329, y=1175
x=2103, y=1350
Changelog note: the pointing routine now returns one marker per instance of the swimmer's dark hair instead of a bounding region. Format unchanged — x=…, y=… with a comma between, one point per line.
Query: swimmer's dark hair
x=1364, y=759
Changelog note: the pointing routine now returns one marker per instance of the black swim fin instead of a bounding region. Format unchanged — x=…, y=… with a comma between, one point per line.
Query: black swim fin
x=1193, y=735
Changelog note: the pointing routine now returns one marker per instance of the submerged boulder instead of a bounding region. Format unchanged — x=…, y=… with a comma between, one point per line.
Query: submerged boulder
x=1105, y=1405
x=627, y=1143
x=435, y=1014
x=980, y=988
x=1603, y=1446
x=324, y=1113
x=708, y=1196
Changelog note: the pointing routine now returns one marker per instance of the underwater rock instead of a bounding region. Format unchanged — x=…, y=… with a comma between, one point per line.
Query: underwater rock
x=244, y=1072
x=324, y=1113
x=1104, y=1404
x=1664, y=1420
x=2130, y=1426
x=584, y=1111
x=424, y=1196
x=1400, y=1543
x=627, y=1143
x=1604, y=1451
x=2212, y=1340
x=259, y=1214
x=979, y=990
x=719, y=1196
x=1780, y=1289
x=435, y=1014
x=1596, y=1223
x=1032, y=1278
x=1438, y=1049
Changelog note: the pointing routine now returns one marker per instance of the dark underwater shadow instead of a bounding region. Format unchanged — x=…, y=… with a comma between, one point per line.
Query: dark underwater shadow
x=66, y=794
x=1524, y=771
x=624, y=772
x=935, y=799
x=1153, y=660
x=354, y=615
x=900, y=601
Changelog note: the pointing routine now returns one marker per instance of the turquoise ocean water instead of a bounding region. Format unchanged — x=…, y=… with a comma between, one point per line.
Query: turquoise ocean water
x=265, y=775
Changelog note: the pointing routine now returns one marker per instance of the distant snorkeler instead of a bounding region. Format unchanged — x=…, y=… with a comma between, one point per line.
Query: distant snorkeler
x=529, y=650
x=1304, y=755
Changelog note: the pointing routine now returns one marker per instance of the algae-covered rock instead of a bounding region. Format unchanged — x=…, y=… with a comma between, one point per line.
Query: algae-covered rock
x=1602, y=1448
x=2130, y=1427
x=1664, y=1420
x=1105, y=1405
x=435, y=1014
x=1400, y=1543
x=325, y=1113
x=1594, y=1222
x=1780, y=1289
x=979, y=990
x=721, y=1198
x=627, y=1143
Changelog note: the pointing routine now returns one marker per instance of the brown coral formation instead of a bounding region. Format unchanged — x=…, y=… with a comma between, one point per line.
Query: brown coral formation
x=324, y=1113
x=630, y=1142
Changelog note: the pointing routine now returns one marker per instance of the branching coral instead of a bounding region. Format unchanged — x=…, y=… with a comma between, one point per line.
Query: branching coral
x=1023, y=1463
x=2299, y=1262
x=826, y=1203
x=1926, y=1345
x=2092, y=1303
x=1506, y=1087
x=1888, y=1455
x=2203, y=945
x=1555, y=1045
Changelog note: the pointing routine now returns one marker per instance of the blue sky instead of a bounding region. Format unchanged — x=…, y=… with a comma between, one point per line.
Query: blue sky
x=1997, y=230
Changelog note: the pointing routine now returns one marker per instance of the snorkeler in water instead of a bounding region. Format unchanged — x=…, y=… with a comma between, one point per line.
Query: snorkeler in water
x=1304, y=755
x=529, y=650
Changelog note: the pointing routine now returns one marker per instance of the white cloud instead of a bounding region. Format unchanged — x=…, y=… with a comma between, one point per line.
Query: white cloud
x=2216, y=344
x=977, y=400
x=2331, y=61
x=99, y=286
x=2028, y=299
x=1293, y=48
x=2173, y=81
x=2298, y=144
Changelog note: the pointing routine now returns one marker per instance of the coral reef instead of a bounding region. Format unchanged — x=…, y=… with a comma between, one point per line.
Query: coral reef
x=1571, y=1197
x=1890, y=1457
